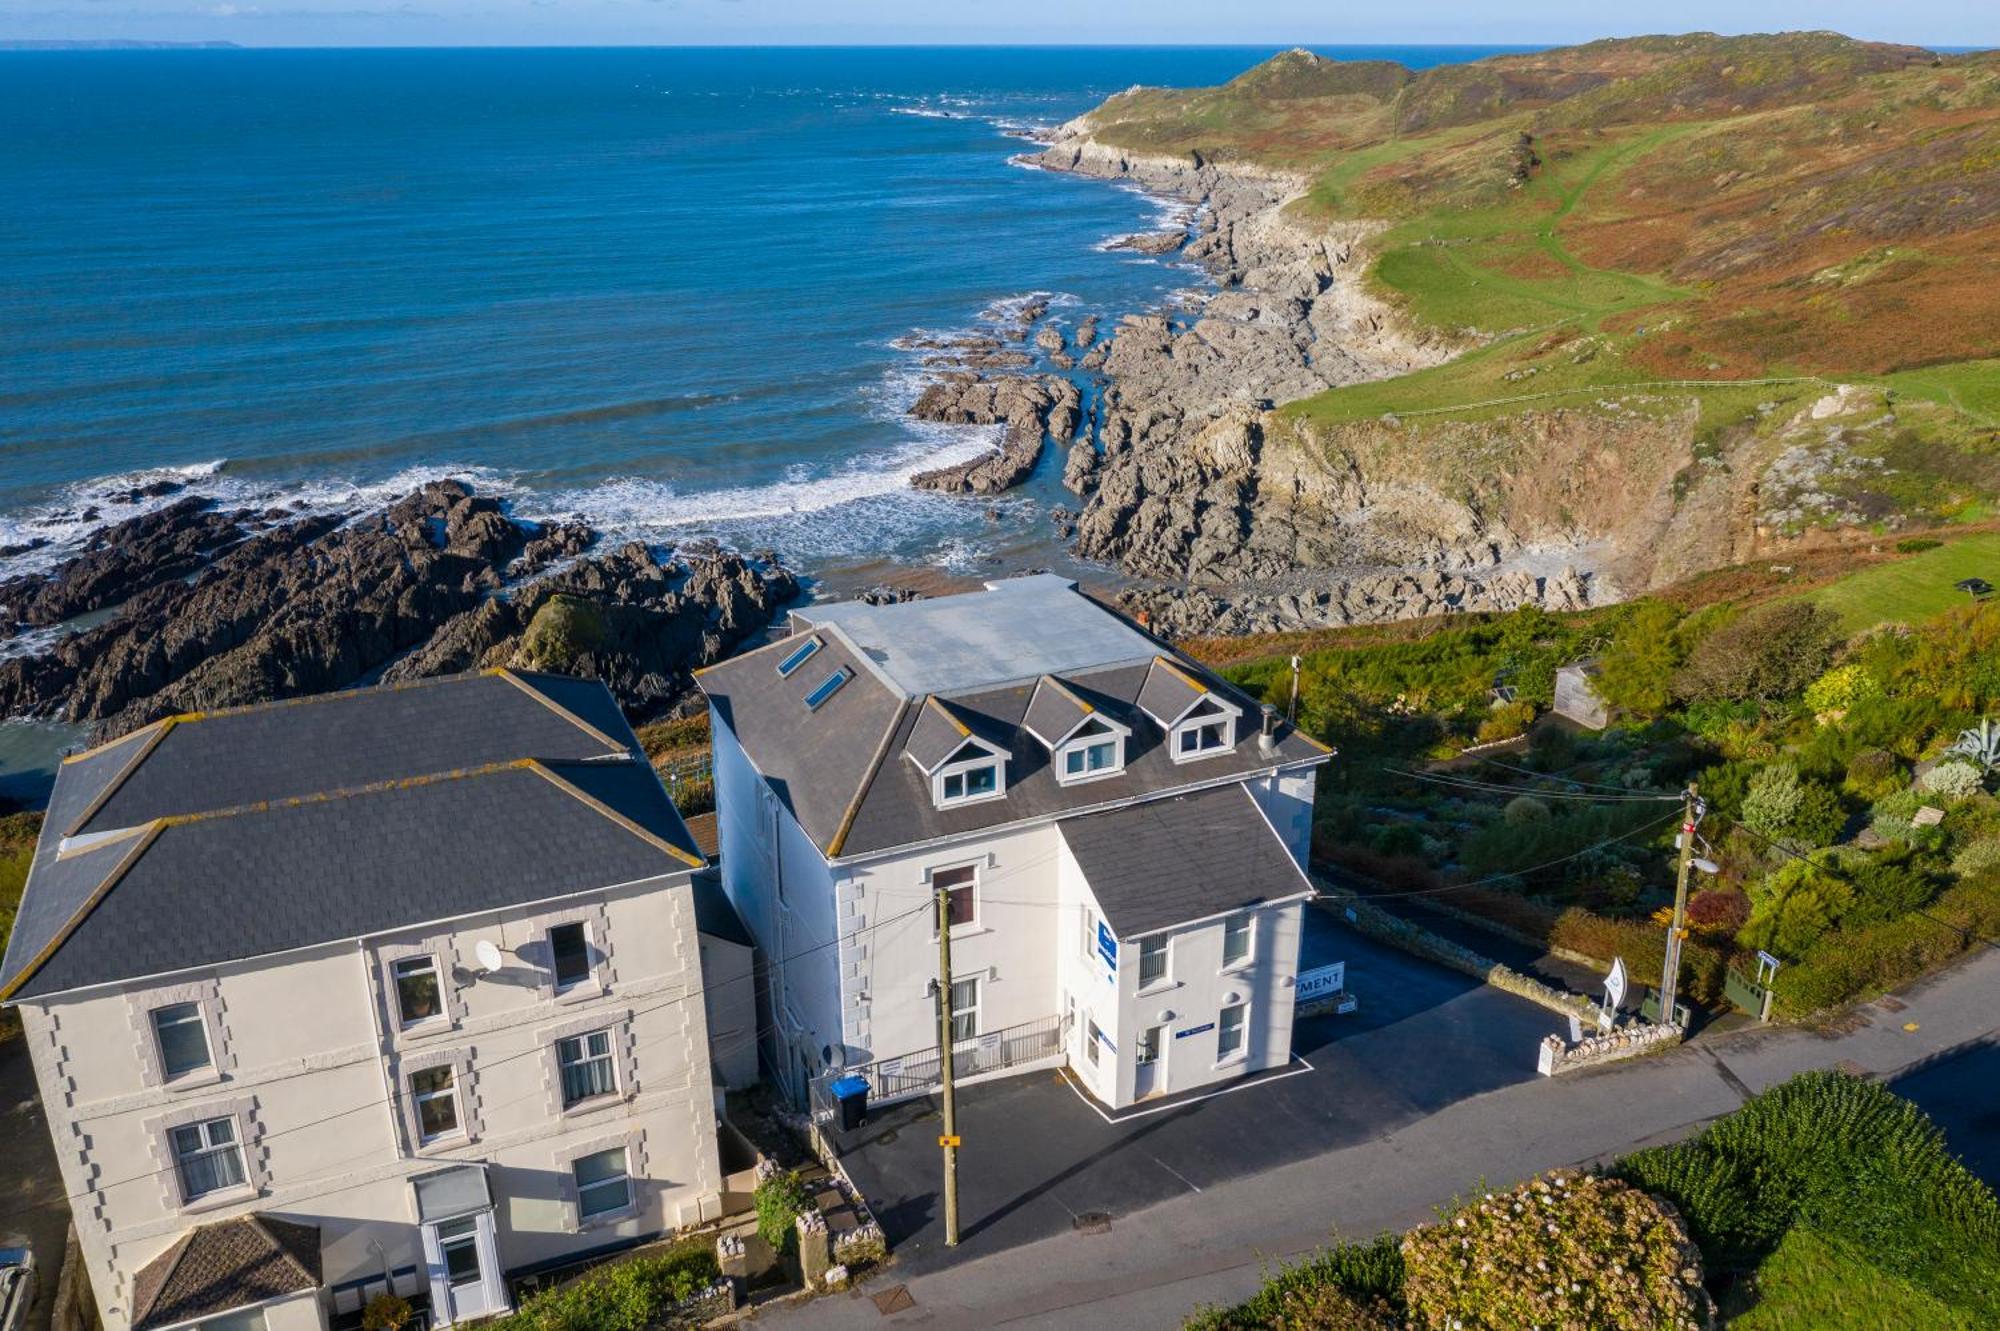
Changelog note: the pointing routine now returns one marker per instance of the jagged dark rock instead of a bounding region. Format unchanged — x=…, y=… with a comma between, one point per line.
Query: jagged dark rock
x=124, y=559
x=323, y=602
x=1029, y=408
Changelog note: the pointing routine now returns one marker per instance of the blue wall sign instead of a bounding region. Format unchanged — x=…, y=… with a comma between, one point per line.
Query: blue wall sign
x=1107, y=946
x=1202, y=1029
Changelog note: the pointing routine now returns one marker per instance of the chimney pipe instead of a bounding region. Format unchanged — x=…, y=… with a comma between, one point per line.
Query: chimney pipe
x=1267, y=737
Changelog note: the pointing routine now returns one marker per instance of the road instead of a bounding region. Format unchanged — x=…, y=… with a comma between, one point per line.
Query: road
x=33, y=1211
x=1153, y=1267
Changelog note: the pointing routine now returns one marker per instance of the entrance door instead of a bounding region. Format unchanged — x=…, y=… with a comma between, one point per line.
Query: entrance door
x=465, y=1275
x=1148, y=1072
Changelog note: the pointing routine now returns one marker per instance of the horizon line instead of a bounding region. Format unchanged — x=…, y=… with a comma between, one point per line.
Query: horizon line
x=110, y=45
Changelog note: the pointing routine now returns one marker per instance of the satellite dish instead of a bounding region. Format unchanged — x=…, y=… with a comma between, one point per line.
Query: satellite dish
x=488, y=954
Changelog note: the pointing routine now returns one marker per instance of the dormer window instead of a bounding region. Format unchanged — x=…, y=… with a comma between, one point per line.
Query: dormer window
x=974, y=773
x=797, y=657
x=1095, y=749
x=1207, y=729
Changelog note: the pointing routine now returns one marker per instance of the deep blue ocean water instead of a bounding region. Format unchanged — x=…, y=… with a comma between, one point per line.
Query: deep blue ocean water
x=659, y=288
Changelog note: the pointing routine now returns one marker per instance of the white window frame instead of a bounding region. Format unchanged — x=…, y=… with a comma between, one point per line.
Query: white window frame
x=1091, y=1054
x=633, y=1144
x=978, y=867
x=418, y=1099
x=204, y=1070
x=242, y=1111
x=1092, y=732
x=143, y=1001
x=1242, y=1049
x=1244, y=922
x=1164, y=945
x=974, y=1009
x=581, y=1040
x=1205, y=712
x=443, y=1014
x=596, y=919
x=584, y=1214
x=961, y=768
x=233, y=1147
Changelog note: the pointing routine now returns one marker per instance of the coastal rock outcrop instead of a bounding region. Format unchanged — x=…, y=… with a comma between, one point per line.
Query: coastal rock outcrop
x=326, y=601
x=1028, y=408
x=122, y=560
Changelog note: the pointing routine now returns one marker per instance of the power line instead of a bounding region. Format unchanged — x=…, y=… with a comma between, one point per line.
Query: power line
x=1515, y=873
x=1472, y=784
x=1553, y=776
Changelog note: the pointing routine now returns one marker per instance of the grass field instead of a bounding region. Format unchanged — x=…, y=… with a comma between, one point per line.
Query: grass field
x=1814, y=1283
x=1914, y=588
x=17, y=850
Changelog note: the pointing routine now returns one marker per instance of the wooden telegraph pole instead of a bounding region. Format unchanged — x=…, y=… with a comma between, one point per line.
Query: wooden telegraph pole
x=949, y=1139
x=1677, y=931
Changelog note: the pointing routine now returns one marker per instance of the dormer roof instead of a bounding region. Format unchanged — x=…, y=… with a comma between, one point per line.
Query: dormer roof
x=1172, y=691
x=1057, y=709
x=941, y=734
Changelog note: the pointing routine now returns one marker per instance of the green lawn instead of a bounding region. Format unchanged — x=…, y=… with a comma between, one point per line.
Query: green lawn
x=1914, y=588
x=1815, y=1283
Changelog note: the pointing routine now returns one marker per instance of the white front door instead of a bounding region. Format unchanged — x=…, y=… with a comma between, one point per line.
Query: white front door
x=1148, y=1070
x=464, y=1269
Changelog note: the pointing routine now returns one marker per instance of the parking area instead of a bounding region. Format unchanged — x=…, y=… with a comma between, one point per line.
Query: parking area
x=1038, y=1161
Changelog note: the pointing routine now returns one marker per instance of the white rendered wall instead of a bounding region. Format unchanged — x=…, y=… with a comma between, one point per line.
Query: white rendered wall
x=310, y=1061
x=1287, y=800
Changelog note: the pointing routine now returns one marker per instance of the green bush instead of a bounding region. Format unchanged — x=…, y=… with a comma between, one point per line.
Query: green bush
x=780, y=1199
x=564, y=629
x=1916, y=545
x=1952, y=781
x=1874, y=773
x=1795, y=905
x=1845, y=1157
x=1887, y=886
x=1893, y=818
x=1977, y=858
x=1506, y=722
x=1840, y=689
x=1772, y=652
x=1636, y=668
x=1644, y=947
x=1782, y=807
x=637, y=1294
x=1565, y=1251
x=1359, y=1281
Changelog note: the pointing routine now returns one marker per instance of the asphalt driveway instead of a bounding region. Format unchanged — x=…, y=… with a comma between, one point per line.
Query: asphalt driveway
x=1038, y=1161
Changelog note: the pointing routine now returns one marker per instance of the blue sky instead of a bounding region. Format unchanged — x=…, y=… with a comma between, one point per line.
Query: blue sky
x=1250, y=22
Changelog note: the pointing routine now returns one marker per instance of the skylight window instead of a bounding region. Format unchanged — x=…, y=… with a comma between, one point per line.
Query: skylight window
x=797, y=657
x=827, y=688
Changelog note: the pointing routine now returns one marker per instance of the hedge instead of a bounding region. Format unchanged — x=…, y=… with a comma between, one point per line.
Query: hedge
x=636, y=1294
x=1367, y=1277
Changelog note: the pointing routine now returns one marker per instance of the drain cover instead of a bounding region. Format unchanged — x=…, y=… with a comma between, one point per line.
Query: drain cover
x=1092, y=1222
x=894, y=1300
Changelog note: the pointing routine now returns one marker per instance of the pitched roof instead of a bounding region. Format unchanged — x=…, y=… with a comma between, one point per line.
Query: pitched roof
x=1012, y=632
x=1182, y=858
x=1055, y=710
x=1170, y=690
x=214, y=1269
x=939, y=732
x=299, y=863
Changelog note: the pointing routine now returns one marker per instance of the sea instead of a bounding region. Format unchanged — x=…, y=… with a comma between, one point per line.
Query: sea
x=660, y=289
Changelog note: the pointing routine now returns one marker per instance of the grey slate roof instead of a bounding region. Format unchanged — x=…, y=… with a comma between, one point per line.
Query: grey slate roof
x=1169, y=691
x=1010, y=633
x=1054, y=710
x=1185, y=857
x=215, y=1268
x=937, y=734
x=299, y=863
x=338, y=741
x=840, y=772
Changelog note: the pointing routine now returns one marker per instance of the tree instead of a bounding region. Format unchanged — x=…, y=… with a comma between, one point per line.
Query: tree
x=1773, y=652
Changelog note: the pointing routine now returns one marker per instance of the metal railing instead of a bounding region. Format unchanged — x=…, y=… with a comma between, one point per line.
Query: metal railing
x=891, y=1079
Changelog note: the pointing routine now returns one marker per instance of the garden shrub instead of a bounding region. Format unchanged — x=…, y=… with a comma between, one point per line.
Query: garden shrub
x=1636, y=668
x=636, y=1294
x=1893, y=818
x=1784, y=808
x=780, y=1199
x=1979, y=857
x=1915, y=545
x=1887, y=886
x=1560, y=1251
x=1361, y=1282
x=1505, y=722
x=1398, y=839
x=1795, y=905
x=1644, y=947
x=1952, y=781
x=1847, y=1158
x=1873, y=773
x=1771, y=652
x=1525, y=809
x=1840, y=689
x=1720, y=912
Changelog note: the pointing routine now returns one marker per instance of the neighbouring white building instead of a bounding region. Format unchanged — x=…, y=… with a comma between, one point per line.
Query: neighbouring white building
x=1122, y=836
x=397, y=988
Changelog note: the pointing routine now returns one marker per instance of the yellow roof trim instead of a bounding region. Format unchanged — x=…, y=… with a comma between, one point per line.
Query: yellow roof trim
x=867, y=780
x=964, y=731
x=1069, y=693
x=524, y=686
x=35, y=963
x=160, y=731
x=607, y=811
x=1183, y=675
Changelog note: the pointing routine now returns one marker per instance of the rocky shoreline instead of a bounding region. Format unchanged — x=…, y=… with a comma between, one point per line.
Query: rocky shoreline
x=1189, y=485
x=218, y=608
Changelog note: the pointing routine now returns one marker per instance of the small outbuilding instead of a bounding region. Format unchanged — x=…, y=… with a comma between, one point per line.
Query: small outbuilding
x=1577, y=697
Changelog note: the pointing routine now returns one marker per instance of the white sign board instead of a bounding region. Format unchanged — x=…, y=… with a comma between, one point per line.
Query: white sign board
x=1320, y=982
x=1614, y=983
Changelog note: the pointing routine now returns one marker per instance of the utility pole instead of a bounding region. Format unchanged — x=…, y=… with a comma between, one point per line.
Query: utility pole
x=1677, y=931
x=1292, y=711
x=949, y=1139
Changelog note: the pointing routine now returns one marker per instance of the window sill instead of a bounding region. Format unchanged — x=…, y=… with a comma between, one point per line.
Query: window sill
x=581, y=992
x=443, y=1145
x=193, y=1081
x=604, y=1219
x=1233, y=1060
x=1084, y=779
x=584, y=1108
x=1239, y=967
x=1157, y=987
x=426, y=1029
x=216, y=1201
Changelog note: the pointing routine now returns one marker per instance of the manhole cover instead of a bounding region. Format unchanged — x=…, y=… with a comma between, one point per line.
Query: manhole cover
x=894, y=1300
x=1092, y=1222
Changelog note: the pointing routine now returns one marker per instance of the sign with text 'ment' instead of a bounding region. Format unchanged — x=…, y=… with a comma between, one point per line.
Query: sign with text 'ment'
x=1320, y=982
